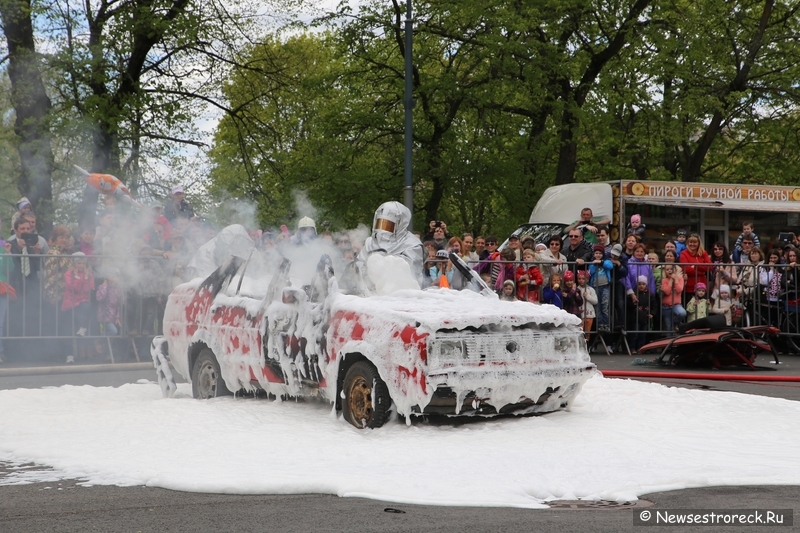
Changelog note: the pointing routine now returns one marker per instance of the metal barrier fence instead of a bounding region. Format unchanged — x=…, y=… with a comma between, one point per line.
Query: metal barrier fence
x=53, y=317
x=629, y=315
x=109, y=310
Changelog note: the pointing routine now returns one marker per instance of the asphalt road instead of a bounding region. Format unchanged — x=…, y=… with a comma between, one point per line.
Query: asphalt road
x=67, y=506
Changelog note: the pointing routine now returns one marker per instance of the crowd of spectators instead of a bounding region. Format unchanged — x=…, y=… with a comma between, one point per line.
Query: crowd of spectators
x=111, y=281
x=630, y=291
x=76, y=283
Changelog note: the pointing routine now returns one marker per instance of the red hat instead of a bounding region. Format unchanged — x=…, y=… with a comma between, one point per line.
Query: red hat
x=599, y=248
x=569, y=276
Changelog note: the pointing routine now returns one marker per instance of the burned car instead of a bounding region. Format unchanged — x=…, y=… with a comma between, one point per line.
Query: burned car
x=411, y=352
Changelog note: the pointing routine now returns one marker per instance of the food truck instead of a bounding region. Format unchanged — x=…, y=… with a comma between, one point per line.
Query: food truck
x=715, y=211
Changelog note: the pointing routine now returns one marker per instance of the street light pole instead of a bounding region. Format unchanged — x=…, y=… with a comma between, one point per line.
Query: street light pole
x=408, y=190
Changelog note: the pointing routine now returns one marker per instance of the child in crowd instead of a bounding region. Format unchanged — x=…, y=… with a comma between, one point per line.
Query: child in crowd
x=571, y=298
x=552, y=294
x=645, y=305
x=109, y=302
x=505, y=268
x=528, y=278
x=636, y=227
x=442, y=271
x=600, y=278
x=722, y=305
x=589, y=300
x=652, y=257
x=680, y=241
x=508, y=291
x=78, y=285
x=698, y=305
x=747, y=231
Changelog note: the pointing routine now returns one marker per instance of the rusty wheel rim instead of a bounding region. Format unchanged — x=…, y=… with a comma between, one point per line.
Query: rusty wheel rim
x=207, y=381
x=359, y=401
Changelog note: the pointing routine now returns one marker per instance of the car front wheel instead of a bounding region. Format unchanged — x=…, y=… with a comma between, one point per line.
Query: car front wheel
x=207, y=379
x=367, y=403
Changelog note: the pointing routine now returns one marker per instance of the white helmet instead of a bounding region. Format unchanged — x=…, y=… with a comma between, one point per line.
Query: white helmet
x=307, y=222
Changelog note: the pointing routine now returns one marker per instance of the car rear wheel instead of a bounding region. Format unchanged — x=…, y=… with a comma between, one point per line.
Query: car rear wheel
x=207, y=379
x=367, y=403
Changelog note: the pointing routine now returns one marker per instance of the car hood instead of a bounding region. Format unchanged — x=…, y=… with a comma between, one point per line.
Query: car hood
x=436, y=309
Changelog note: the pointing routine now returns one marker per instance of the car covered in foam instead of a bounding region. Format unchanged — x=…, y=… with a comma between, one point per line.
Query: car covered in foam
x=411, y=352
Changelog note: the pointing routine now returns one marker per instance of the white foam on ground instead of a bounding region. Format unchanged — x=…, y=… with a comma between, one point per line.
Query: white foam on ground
x=621, y=439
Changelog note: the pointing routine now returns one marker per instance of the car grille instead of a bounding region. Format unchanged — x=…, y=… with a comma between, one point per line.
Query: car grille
x=522, y=347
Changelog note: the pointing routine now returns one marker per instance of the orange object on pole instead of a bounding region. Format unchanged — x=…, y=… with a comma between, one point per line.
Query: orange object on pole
x=108, y=184
x=443, y=283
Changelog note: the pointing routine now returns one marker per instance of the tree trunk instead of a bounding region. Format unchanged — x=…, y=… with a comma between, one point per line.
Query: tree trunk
x=32, y=106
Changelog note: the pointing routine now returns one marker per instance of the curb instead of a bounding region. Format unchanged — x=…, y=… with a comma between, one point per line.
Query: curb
x=73, y=369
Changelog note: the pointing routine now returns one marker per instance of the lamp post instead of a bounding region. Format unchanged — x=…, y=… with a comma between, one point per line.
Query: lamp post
x=408, y=189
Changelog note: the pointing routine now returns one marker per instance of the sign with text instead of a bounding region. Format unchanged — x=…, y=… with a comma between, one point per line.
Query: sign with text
x=709, y=191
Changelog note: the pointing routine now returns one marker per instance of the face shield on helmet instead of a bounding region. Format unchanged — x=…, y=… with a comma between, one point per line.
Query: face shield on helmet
x=388, y=222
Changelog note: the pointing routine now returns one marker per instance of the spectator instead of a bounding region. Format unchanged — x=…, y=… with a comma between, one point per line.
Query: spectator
x=527, y=242
x=480, y=247
x=514, y=244
x=637, y=266
x=24, y=314
x=79, y=282
x=747, y=231
x=696, y=263
x=552, y=293
x=571, y=299
x=553, y=261
x=466, y=252
x=630, y=244
x=643, y=315
x=748, y=279
x=178, y=207
x=601, y=278
x=724, y=272
x=672, y=312
x=670, y=245
x=444, y=235
x=602, y=238
x=56, y=265
x=791, y=274
x=528, y=278
x=680, y=241
x=508, y=291
x=588, y=225
x=44, y=247
x=486, y=264
x=109, y=308
x=23, y=206
x=620, y=273
x=636, y=227
x=770, y=277
x=697, y=307
x=454, y=245
x=440, y=237
x=722, y=304
x=590, y=300
x=442, y=270
x=579, y=252
x=670, y=257
x=504, y=267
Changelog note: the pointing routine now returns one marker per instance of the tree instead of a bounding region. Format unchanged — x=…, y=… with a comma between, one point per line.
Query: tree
x=31, y=105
